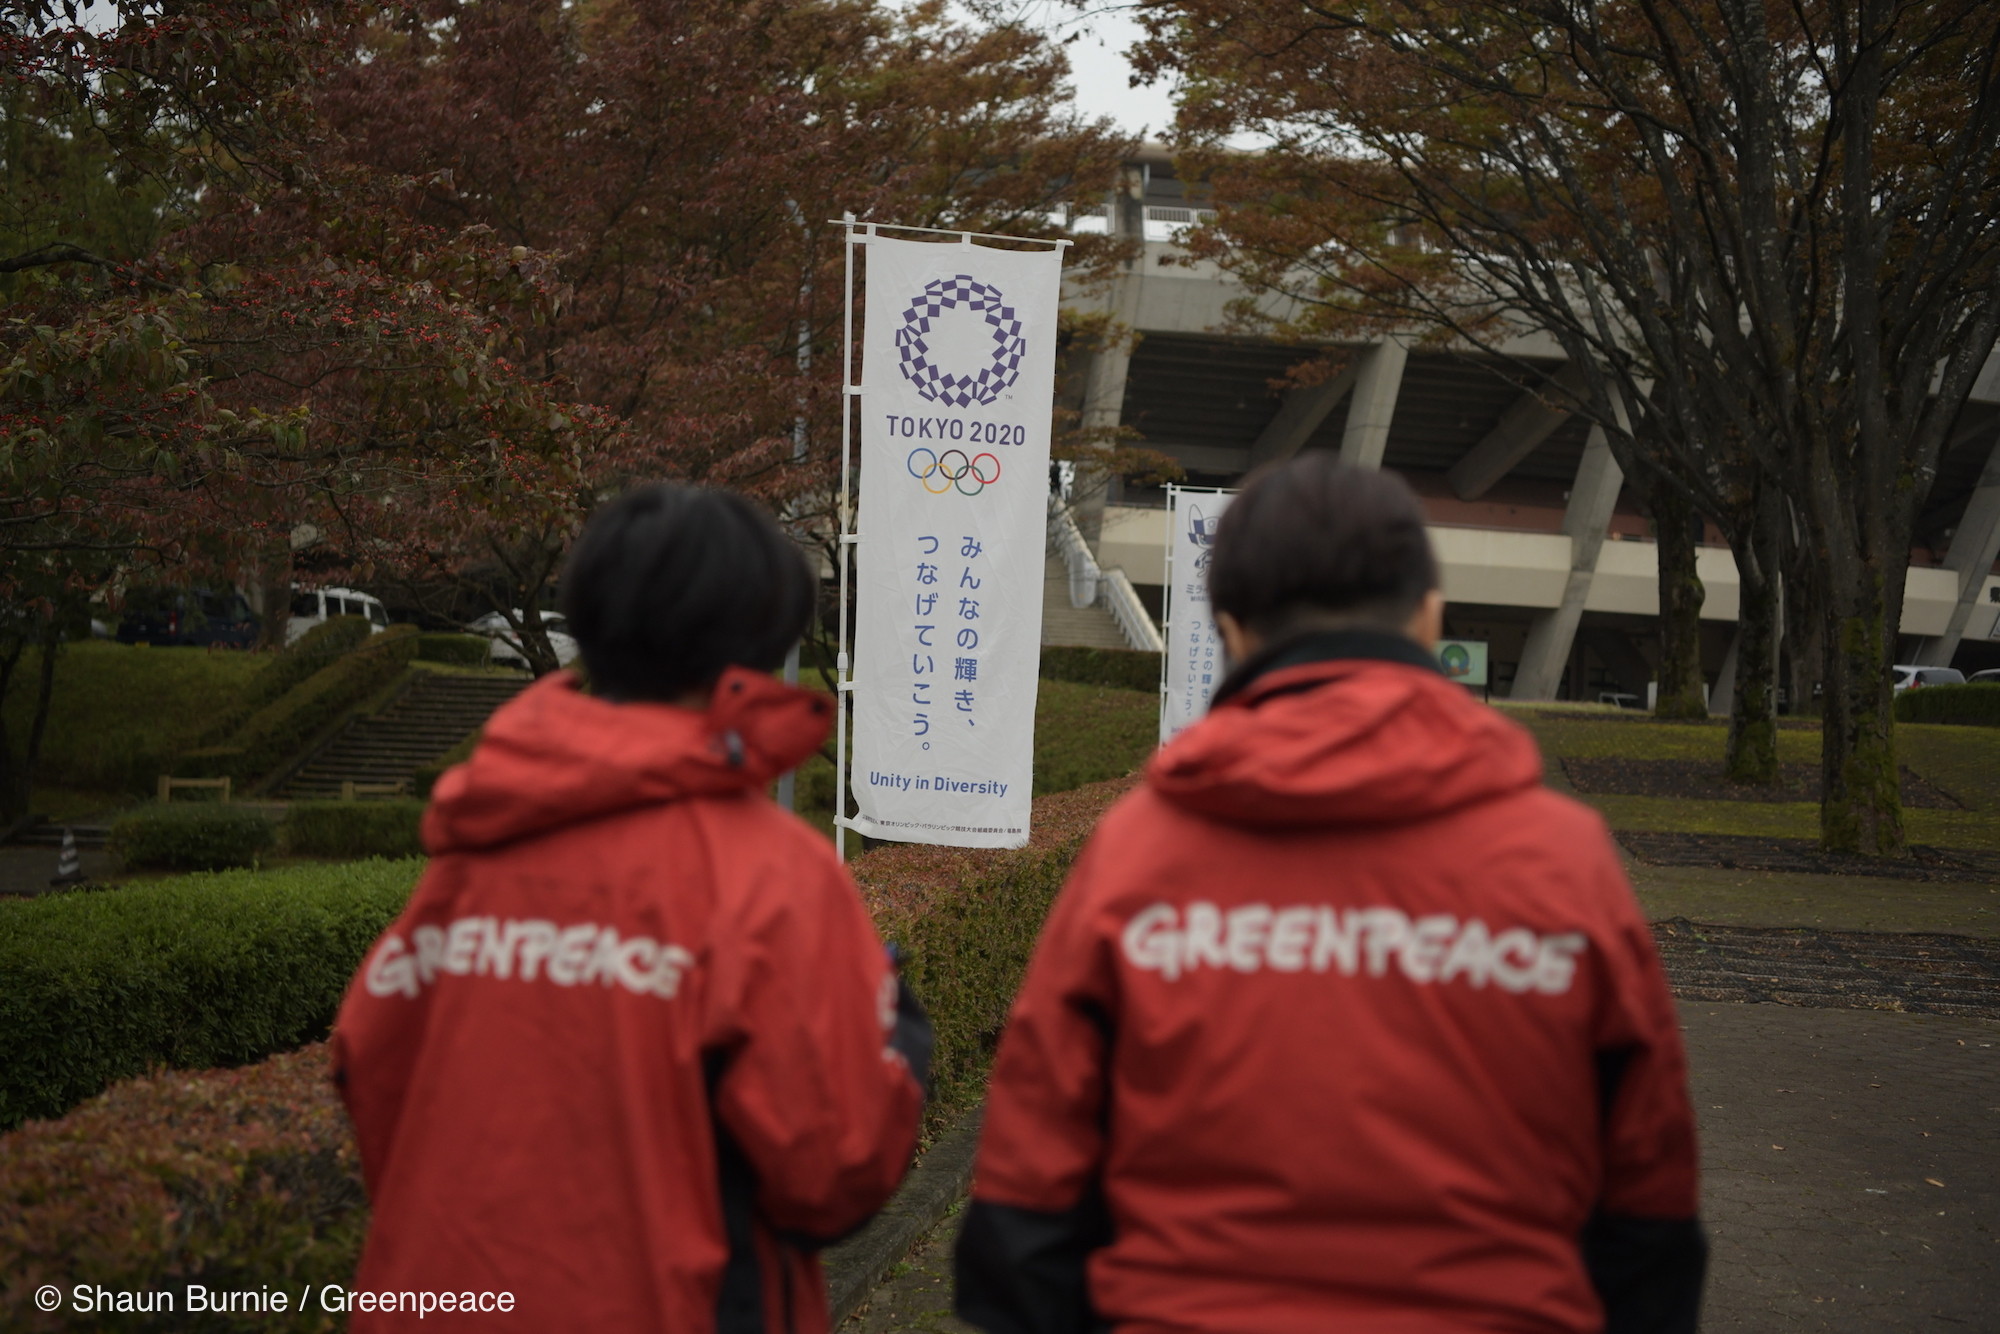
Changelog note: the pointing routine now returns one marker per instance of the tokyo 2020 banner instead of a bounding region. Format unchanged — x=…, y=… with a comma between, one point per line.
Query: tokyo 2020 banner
x=957, y=385
x=1194, y=664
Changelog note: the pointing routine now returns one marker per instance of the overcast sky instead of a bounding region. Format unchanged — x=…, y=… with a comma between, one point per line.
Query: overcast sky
x=1099, y=70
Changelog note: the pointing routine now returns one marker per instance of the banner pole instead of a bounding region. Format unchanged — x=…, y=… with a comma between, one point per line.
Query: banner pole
x=1167, y=602
x=843, y=680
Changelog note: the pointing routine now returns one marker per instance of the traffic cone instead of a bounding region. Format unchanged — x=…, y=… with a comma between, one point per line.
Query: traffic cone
x=69, y=866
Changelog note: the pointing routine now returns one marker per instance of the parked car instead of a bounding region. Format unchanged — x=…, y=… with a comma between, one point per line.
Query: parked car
x=314, y=606
x=1622, y=699
x=1911, y=677
x=189, y=617
x=507, y=647
x=1989, y=677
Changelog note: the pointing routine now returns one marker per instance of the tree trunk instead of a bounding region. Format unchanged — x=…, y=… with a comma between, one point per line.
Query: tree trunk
x=1861, y=804
x=1681, y=596
x=52, y=642
x=1805, y=619
x=13, y=774
x=1752, y=753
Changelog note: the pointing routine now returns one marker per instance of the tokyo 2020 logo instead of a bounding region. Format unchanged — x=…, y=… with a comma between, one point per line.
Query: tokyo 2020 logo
x=966, y=385
x=953, y=471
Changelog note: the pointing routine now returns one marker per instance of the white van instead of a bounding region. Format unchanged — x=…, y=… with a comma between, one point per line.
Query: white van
x=313, y=606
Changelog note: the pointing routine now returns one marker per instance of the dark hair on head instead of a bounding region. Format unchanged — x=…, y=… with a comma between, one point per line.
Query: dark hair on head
x=1312, y=538
x=671, y=584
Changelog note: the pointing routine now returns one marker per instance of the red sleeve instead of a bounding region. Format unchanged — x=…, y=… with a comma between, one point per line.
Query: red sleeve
x=1651, y=1167
x=1042, y=1145
x=813, y=1089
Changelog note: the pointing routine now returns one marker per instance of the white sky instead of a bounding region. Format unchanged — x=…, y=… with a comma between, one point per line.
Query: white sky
x=1097, y=39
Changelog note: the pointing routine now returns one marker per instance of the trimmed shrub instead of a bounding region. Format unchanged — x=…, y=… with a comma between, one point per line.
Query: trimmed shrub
x=1126, y=669
x=191, y=836
x=281, y=729
x=1967, y=705
x=966, y=922
x=330, y=639
x=354, y=828
x=202, y=971
x=232, y=1179
x=458, y=650
x=243, y=1177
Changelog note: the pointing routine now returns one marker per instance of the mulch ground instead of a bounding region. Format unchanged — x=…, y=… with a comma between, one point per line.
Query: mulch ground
x=1743, y=852
x=1702, y=780
x=1850, y=970
x=1645, y=716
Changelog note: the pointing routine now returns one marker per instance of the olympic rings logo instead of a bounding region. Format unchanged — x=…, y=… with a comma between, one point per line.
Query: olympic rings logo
x=967, y=476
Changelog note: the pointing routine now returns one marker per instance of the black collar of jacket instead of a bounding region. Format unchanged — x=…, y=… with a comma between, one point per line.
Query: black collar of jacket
x=1323, y=646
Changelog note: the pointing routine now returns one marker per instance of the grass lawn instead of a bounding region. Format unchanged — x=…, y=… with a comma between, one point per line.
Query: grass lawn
x=1964, y=761
x=118, y=713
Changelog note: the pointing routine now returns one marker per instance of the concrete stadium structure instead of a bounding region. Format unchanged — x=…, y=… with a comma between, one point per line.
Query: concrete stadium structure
x=1546, y=554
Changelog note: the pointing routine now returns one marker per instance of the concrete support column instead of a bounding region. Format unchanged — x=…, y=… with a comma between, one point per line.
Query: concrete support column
x=1722, y=696
x=1300, y=415
x=1529, y=420
x=1592, y=497
x=1378, y=378
x=1975, y=545
x=1111, y=365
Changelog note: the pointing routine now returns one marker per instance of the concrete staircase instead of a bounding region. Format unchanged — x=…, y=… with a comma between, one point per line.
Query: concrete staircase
x=1078, y=627
x=438, y=711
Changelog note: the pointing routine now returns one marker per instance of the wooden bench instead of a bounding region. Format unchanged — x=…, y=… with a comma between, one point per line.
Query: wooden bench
x=168, y=785
x=350, y=790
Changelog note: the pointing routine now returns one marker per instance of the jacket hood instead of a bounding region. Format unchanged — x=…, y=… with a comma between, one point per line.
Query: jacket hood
x=1351, y=741
x=556, y=756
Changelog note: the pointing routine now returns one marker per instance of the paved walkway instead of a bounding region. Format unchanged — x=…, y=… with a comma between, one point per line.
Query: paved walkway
x=1851, y=1170
x=27, y=870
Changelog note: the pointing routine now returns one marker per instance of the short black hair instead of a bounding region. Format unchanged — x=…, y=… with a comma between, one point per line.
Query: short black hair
x=669, y=585
x=1311, y=537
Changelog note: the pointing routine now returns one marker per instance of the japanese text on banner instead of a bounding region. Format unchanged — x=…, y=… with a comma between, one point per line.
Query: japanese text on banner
x=957, y=387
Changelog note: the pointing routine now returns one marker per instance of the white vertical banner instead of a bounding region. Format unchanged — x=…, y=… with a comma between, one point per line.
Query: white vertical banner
x=958, y=383
x=1193, y=662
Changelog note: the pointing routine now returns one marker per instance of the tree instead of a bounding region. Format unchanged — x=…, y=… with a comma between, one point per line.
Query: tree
x=676, y=165
x=266, y=339
x=1772, y=228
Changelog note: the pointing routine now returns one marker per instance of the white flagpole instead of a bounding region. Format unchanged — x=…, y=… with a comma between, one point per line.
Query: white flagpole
x=843, y=681
x=857, y=234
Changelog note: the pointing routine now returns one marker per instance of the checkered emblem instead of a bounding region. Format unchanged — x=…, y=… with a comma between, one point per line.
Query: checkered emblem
x=960, y=386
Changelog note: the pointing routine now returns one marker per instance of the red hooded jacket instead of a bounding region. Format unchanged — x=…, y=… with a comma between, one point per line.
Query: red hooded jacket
x=634, y=1039
x=1342, y=1022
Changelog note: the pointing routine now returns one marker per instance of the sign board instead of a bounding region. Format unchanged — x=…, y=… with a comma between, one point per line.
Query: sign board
x=1192, y=665
x=958, y=378
x=1463, y=660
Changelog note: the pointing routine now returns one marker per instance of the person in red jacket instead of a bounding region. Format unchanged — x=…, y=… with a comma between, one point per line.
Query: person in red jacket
x=1343, y=1020
x=633, y=1051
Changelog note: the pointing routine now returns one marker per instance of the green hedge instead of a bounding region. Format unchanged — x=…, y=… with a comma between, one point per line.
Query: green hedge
x=200, y=971
x=251, y=1176
x=295, y=663
x=354, y=828
x=458, y=650
x=281, y=729
x=966, y=922
x=330, y=639
x=1966, y=705
x=191, y=836
x=1126, y=669
x=233, y=1179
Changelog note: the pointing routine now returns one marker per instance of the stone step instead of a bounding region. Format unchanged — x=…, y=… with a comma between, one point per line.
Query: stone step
x=432, y=717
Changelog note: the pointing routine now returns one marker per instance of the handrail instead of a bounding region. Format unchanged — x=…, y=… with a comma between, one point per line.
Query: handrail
x=1122, y=600
x=1090, y=584
x=1066, y=540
